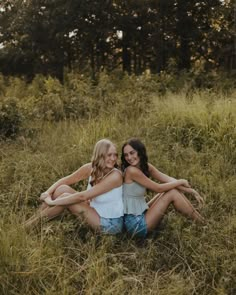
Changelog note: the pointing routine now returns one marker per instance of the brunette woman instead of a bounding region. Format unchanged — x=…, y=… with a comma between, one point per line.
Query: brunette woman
x=141, y=217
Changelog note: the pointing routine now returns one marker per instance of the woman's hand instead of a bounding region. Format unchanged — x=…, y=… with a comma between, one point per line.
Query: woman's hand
x=193, y=192
x=44, y=195
x=63, y=199
x=199, y=199
x=185, y=183
x=48, y=200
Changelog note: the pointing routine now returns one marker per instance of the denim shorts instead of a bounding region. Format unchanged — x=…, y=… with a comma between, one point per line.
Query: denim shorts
x=136, y=225
x=111, y=225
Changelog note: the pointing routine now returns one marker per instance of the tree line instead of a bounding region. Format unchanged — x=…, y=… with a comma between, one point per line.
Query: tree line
x=49, y=36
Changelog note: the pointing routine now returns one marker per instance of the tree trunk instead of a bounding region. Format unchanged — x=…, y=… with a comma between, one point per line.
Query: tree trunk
x=126, y=56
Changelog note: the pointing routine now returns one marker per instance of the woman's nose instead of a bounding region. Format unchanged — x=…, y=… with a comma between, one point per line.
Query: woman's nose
x=129, y=157
x=113, y=157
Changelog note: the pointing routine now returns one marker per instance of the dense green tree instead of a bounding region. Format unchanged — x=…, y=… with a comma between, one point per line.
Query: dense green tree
x=34, y=37
x=47, y=36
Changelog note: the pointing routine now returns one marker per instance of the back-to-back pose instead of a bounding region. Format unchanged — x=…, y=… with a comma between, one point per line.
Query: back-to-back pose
x=101, y=204
x=141, y=217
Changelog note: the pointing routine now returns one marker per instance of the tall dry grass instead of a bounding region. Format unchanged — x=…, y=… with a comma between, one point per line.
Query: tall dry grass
x=188, y=136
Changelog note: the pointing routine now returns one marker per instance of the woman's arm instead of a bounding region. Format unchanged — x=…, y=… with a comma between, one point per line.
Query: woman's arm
x=192, y=191
x=110, y=182
x=138, y=176
x=158, y=175
x=80, y=174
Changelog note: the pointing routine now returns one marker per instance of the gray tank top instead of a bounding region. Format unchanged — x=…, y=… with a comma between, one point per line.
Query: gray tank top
x=133, y=198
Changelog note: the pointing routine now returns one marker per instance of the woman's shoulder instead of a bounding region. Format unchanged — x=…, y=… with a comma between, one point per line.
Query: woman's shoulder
x=131, y=170
x=88, y=165
x=115, y=175
x=83, y=172
x=87, y=168
x=116, y=172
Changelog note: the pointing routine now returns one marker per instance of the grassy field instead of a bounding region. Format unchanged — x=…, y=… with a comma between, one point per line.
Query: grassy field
x=189, y=134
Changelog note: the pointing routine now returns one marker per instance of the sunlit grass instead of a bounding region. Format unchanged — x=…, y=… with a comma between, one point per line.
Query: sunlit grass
x=188, y=137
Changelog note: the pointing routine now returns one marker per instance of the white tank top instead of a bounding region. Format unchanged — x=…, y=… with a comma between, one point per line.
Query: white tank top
x=109, y=204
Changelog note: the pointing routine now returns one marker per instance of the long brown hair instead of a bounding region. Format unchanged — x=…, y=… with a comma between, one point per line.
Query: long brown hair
x=142, y=153
x=98, y=160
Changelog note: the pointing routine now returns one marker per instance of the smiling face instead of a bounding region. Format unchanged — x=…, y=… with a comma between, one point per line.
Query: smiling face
x=103, y=160
x=131, y=156
x=111, y=157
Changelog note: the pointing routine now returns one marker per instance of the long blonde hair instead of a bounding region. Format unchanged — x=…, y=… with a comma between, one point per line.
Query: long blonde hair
x=98, y=160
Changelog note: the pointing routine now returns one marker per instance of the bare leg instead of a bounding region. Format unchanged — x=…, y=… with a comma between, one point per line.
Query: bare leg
x=88, y=213
x=83, y=210
x=47, y=211
x=158, y=208
x=152, y=201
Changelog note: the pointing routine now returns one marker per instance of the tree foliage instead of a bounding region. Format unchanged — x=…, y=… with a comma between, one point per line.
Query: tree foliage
x=47, y=36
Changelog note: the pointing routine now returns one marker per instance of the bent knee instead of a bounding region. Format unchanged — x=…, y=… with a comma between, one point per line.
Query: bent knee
x=173, y=193
x=75, y=209
x=61, y=190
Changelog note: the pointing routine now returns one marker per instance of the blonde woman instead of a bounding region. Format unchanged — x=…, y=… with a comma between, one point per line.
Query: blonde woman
x=101, y=204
